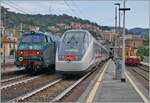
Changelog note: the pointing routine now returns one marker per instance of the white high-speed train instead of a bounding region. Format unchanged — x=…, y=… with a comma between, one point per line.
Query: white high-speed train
x=78, y=51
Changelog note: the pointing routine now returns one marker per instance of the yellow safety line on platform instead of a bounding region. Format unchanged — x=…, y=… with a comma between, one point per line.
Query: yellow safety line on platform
x=94, y=89
x=136, y=88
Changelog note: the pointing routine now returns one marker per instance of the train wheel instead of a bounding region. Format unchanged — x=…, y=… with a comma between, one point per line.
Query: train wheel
x=34, y=69
x=29, y=69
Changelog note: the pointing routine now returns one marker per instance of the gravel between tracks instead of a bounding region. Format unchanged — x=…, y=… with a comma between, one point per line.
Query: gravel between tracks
x=23, y=88
x=48, y=94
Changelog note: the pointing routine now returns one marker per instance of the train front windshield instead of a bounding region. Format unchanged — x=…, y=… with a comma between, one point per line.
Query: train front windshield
x=72, y=44
x=32, y=38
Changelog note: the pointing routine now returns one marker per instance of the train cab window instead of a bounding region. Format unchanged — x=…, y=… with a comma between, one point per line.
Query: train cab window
x=74, y=38
x=32, y=38
x=46, y=39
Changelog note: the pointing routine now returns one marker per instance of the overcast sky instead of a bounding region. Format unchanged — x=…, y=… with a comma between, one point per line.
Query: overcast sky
x=99, y=11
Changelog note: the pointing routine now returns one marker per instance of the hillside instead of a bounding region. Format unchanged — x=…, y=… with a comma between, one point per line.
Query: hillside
x=13, y=20
x=140, y=31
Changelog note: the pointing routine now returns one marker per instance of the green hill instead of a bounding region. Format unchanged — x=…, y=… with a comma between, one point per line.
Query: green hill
x=13, y=20
x=140, y=31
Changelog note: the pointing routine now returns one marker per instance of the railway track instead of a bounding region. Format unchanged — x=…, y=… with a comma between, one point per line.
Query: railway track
x=46, y=88
x=19, y=82
x=15, y=89
x=145, y=68
x=142, y=74
x=54, y=91
x=49, y=92
x=13, y=79
x=10, y=74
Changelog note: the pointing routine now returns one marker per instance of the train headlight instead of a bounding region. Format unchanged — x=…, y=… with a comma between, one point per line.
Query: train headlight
x=20, y=59
x=37, y=52
x=19, y=52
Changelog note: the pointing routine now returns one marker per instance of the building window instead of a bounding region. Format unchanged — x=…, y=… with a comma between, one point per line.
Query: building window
x=9, y=45
x=1, y=45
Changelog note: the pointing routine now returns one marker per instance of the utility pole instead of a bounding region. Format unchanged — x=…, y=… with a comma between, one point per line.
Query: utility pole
x=115, y=19
x=118, y=28
x=1, y=29
x=4, y=24
x=119, y=20
x=14, y=42
x=115, y=37
x=20, y=29
x=50, y=9
x=118, y=4
x=124, y=9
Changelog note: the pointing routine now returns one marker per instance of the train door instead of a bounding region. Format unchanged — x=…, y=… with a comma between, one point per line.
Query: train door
x=52, y=50
x=48, y=51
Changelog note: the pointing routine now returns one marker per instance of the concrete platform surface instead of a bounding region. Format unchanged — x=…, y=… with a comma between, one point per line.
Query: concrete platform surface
x=111, y=90
x=10, y=69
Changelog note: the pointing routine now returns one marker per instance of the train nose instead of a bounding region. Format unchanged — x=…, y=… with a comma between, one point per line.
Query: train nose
x=70, y=65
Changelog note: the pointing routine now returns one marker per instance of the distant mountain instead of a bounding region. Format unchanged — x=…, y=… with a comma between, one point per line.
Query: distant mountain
x=140, y=31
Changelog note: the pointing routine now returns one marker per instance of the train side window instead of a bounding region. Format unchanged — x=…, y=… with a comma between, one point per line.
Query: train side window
x=86, y=40
x=85, y=43
x=49, y=40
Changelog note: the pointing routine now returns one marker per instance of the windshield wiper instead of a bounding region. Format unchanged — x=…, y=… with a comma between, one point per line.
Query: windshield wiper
x=73, y=38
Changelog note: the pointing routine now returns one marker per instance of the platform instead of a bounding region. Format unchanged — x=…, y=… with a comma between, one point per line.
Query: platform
x=144, y=63
x=111, y=90
x=10, y=69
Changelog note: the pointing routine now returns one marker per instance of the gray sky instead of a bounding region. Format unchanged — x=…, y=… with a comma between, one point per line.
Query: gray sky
x=101, y=12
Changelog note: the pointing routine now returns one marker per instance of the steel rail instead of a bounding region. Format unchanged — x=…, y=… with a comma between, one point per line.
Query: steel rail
x=13, y=78
x=20, y=98
x=22, y=81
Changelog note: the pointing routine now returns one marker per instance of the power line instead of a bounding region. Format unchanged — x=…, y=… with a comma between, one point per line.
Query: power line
x=71, y=8
x=15, y=7
x=78, y=9
x=20, y=7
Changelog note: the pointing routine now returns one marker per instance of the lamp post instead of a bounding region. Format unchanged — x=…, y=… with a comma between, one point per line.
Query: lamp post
x=118, y=4
x=118, y=28
x=115, y=19
x=124, y=9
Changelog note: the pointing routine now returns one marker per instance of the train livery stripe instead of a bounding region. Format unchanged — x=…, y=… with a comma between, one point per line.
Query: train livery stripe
x=136, y=88
x=97, y=84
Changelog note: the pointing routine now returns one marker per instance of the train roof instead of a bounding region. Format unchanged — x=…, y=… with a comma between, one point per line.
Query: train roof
x=55, y=38
x=77, y=30
x=33, y=32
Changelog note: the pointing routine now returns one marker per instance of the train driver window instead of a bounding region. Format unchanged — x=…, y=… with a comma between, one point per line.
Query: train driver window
x=46, y=39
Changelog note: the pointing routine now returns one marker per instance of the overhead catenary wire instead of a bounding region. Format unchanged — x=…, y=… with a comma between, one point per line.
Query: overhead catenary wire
x=20, y=7
x=73, y=11
x=79, y=10
x=10, y=5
